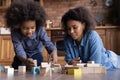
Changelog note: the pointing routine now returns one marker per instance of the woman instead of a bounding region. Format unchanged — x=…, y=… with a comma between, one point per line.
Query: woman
x=83, y=43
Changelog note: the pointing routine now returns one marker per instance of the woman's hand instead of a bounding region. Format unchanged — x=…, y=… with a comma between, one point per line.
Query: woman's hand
x=53, y=57
x=74, y=61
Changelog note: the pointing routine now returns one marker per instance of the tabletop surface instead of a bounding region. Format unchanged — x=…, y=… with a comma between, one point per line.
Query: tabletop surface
x=110, y=75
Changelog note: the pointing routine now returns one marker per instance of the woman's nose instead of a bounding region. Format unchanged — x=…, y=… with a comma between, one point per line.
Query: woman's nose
x=71, y=31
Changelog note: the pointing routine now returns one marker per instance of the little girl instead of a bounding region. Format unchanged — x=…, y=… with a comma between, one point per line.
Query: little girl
x=25, y=20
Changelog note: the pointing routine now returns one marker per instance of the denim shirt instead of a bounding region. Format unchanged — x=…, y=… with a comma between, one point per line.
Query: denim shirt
x=25, y=46
x=90, y=48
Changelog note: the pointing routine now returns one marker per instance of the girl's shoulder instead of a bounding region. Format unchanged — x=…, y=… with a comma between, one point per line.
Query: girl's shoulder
x=16, y=32
x=40, y=30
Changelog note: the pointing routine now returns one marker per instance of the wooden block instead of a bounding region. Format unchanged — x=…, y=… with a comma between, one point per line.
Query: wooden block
x=42, y=70
x=57, y=65
x=57, y=68
x=92, y=65
x=100, y=70
x=71, y=67
x=70, y=71
x=81, y=64
x=22, y=69
x=35, y=62
x=36, y=70
x=91, y=62
x=93, y=70
x=103, y=70
x=80, y=61
x=87, y=70
x=44, y=64
x=10, y=71
x=48, y=72
x=5, y=68
x=77, y=74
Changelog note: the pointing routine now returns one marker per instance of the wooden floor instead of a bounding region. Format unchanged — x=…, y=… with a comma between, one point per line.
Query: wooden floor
x=110, y=75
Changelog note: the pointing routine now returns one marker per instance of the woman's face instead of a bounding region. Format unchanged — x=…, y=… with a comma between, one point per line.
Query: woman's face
x=28, y=28
x=75, y=29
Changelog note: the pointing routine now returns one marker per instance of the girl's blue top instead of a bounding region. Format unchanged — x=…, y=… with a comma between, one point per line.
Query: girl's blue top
x=24, y=46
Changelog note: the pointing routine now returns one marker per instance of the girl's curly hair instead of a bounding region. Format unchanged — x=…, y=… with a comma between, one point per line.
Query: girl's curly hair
x=22, y=11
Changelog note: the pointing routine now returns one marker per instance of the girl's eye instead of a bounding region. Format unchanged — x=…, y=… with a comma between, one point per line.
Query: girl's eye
x=33, y=28
x=27, y=28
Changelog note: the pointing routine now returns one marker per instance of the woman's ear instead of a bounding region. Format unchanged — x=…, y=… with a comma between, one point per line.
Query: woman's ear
x=83, y=25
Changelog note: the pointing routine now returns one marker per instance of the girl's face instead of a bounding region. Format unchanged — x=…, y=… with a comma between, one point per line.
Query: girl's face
x=28, y=28
x=75, y=29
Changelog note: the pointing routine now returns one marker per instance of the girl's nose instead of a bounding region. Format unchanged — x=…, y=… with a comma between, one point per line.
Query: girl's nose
x=30, y=30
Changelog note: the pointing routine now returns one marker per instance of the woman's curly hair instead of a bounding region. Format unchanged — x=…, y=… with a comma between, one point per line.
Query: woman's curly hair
x=80, y=14
x=22, y=11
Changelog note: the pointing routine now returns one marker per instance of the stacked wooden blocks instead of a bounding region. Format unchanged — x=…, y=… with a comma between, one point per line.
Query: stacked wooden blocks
x=89, y=67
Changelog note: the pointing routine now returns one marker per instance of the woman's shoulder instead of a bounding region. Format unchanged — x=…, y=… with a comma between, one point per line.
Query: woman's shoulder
x=93, y=33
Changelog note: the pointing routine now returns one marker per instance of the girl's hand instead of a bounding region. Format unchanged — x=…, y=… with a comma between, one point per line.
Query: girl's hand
x=30, y=63
x=53, y=57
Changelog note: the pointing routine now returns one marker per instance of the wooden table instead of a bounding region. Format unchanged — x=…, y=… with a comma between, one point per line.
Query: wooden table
x=110, y=75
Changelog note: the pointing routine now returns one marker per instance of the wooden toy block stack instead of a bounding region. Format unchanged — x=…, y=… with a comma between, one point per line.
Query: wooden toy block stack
x=48, y=68
x=36, y=69
x=89, y=67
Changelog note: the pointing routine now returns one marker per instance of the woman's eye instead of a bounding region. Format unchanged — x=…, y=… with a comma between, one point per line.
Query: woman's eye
x=75, y=27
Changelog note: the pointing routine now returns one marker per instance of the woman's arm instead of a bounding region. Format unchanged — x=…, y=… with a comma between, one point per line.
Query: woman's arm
x=70, y=57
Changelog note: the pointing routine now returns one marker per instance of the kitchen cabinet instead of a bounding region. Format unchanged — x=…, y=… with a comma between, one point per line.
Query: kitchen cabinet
x=111, y=37
x=6, y=50
x=102, y=33
x=4, y=4
x=113, y=40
